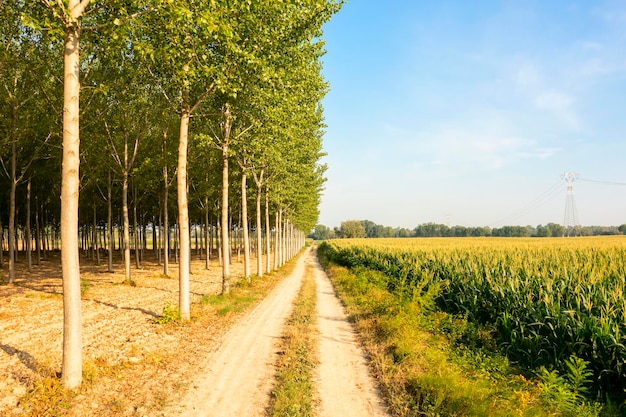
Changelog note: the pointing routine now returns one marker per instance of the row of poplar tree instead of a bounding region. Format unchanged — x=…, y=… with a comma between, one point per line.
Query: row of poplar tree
x=202, y=108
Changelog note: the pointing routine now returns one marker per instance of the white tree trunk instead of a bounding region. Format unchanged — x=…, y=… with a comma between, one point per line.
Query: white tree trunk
x=109, y=224
x=244, y=224
x=226, y=125
x=207, y=231
x=166, y=224
x=12, y=208
x=183, y=219
x=277, y=241
x=96, y=240
x=136, y=233
x=259, y=234
x=268, y=230
x=29, y=254
x=126, y=223
x=37, y=234
x=71, y=372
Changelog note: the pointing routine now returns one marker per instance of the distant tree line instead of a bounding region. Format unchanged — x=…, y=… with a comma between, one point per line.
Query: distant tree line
x=369, y=229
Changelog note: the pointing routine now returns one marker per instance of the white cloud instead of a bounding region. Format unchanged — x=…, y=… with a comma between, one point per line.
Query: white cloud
x=553, y=101
x=596, y=66
x=486, y=151
x=560, y=105
x=527, y=75
x=591, y=45
x=539, y=152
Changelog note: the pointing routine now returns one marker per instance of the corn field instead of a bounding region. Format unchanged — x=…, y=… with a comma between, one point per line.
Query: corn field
x=546, y=299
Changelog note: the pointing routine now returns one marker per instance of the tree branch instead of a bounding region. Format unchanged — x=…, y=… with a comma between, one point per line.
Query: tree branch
x=243, y=132
x=123, y=20
x=202, y=97
x=116, y=156
x=79, y=8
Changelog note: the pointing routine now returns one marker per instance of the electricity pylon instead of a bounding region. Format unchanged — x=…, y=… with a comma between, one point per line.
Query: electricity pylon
x=570, y=221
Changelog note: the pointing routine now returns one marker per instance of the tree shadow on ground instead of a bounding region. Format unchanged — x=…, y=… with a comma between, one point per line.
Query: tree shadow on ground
x=26, y=358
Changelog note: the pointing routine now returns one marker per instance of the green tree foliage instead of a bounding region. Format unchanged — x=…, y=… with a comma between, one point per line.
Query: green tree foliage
x=322, y=232
x=352, y=229
x=373, y=230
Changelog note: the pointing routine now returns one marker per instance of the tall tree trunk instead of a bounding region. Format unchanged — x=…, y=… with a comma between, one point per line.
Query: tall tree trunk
x=219, y=242
x=27, y=237
x=125, y=220
x=288, y=241
x=120, y=235
x=12, y=208
x=166, y=224
x=44, y=234
x=96, y=246
x=291, y=242
x=283, y=226
x=135, y=227
x=283, y=240
x=175, y=245
x=259, y=237
x=268, y=230
x=159, y=237
x=90, y=236
x=183, y=218
x=155, y=240
x=71, y=371
x=37, y=233
x=277, y=241
x=143, y=236
x=102, y=239
x=226, y=125
x=244, y=225
x=207, y=231
x=110, y=224
x=238, y=239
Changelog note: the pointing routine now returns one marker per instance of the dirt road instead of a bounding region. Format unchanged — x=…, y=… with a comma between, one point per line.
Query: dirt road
x=238, y=379
x=345, y=385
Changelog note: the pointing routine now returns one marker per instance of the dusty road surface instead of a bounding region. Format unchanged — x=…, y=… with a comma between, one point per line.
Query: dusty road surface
x=344, y=383
x=237, y=380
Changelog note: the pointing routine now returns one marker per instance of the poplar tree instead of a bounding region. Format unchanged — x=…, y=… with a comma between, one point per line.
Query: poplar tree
x=65, y=19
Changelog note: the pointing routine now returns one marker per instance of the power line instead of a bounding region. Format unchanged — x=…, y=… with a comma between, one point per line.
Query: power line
x=571, y=215
x=543, y=198
x=603, y=182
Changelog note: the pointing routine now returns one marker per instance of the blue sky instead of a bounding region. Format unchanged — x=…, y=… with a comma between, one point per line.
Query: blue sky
x=468, y=113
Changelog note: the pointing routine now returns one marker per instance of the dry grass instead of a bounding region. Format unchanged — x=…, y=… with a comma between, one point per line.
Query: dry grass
x=294, y=394
x=418, y=371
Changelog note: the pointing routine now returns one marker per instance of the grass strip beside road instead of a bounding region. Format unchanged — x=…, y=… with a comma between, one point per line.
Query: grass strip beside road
x=294, y=394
